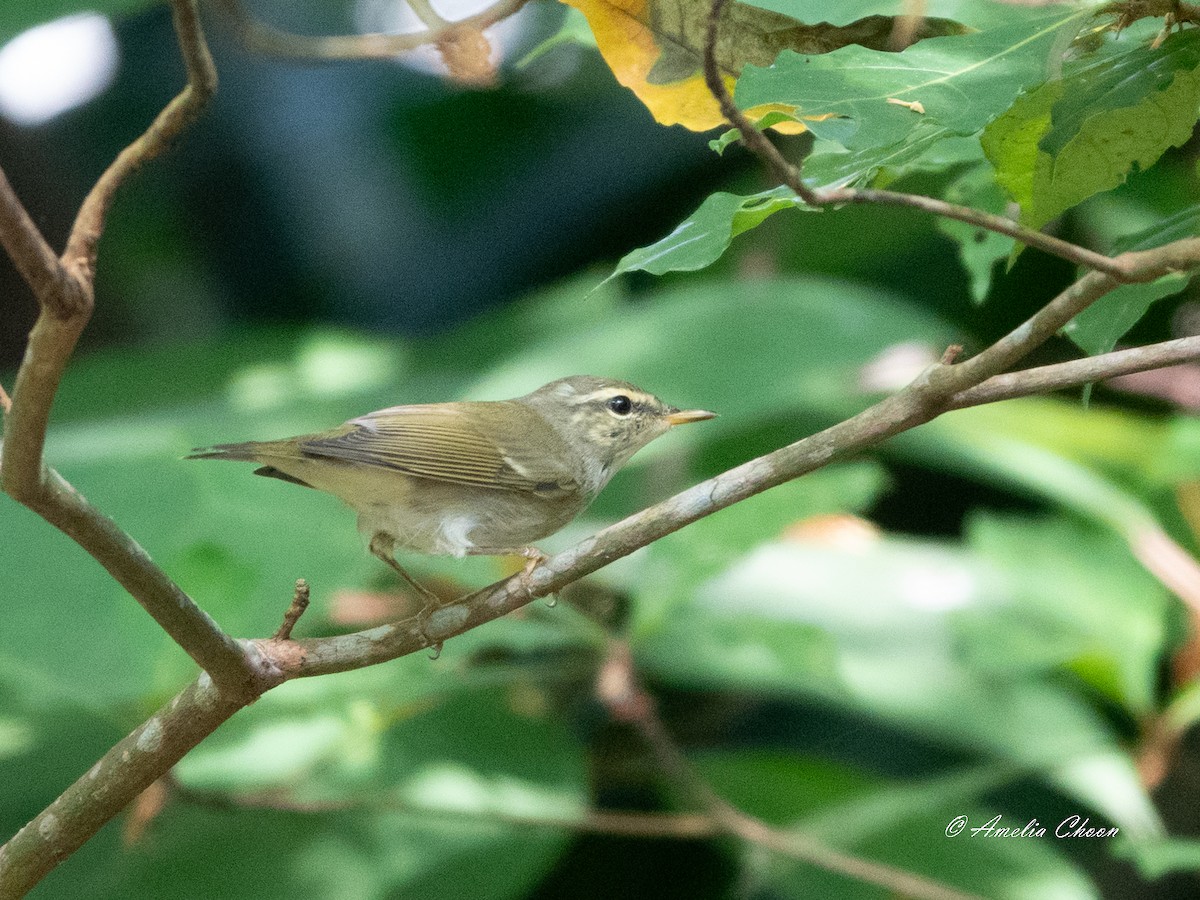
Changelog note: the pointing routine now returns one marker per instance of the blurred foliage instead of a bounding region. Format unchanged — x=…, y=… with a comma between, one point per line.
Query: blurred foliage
x=956, y=623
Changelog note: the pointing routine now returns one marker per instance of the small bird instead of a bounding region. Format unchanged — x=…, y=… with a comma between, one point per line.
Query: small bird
x=485, y=478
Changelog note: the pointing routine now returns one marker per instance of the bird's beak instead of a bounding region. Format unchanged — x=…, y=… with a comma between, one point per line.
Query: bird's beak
x=683, y=416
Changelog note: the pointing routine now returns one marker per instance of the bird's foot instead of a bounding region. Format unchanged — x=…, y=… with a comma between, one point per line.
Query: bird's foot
x=533, y=558
x=383, y=548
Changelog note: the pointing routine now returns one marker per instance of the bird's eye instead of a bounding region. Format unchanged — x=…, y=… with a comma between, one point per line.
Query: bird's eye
x=621, y=405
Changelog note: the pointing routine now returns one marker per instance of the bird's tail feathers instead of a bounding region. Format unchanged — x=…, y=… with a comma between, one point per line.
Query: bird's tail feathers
x=248, y=451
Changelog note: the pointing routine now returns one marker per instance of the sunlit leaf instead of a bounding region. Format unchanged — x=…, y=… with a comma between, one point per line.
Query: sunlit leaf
x=960, y=81
x=1110, y=113
x=655, y=48
x=704, y=236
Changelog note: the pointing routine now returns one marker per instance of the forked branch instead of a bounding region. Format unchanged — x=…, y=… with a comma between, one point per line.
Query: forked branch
x=240, y=672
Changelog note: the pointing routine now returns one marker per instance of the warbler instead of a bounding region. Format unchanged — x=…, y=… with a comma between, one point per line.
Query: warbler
x=482, y=477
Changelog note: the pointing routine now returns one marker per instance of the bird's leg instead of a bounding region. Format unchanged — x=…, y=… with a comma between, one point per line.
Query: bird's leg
x=383, y=547
x=533, y=558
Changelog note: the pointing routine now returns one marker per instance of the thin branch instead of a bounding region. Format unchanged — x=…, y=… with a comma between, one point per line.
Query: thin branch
x=1044, y=379
x=629, y=701
x=259, y=37
x=181, y=112
x=658, y=826
x=121, y=775
x=914, y=405
x=240, y=673
x=429, y=16
x=58, y=327
x=786, y=173
x=54, y=288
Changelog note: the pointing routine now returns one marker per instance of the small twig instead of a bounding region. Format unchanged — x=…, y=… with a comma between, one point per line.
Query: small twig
x=1043, y=379
x=262, y=38
x=666, y=826
x=294, y=612
x=36, y=262
x=5, y=401
x=622, y=692
x=181, y=112
x=786, y=173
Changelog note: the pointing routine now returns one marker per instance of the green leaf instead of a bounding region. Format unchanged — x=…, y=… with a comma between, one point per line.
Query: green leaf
x=1081, y=603
x=961, y=81
x=901, y=631
x=1156, y=858
x=1098, y=328
x=978, y=248
x=16, y=17
x=703, y=236
x=1111, y=112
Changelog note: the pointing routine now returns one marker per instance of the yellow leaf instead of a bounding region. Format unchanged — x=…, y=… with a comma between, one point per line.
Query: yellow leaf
x=656, y=49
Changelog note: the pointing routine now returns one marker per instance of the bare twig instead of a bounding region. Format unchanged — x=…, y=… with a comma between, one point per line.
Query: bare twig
x=64, y=292
x=659, y=826
x=262, y=38
x=629, y=701
x=786, y=173
x=294, y=612
x=1044, y=379
x=429, y=16
x=182, y=111
x=54, y=288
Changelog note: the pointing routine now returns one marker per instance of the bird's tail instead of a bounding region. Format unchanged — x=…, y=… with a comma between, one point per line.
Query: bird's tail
x=253, y=451
x=248, y=451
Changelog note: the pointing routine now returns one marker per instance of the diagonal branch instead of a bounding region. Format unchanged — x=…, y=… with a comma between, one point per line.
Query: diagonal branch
x=54, y=288
x=628, y=701
x=121, y=780
x=64, y=289
x=1043, y=379
x=181, y=112
x=126, y=770
x=786, y=173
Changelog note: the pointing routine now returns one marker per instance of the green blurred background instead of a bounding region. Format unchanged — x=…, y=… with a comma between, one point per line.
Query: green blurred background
x=331, y=239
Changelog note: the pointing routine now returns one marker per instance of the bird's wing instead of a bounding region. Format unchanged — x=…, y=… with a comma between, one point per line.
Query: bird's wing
x=436, y=441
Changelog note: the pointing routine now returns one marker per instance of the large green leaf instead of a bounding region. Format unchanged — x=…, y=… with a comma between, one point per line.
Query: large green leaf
x=906, y=633
x=1084, y=133
x=960, y=81
x=1098, y=328
x=704, y=236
